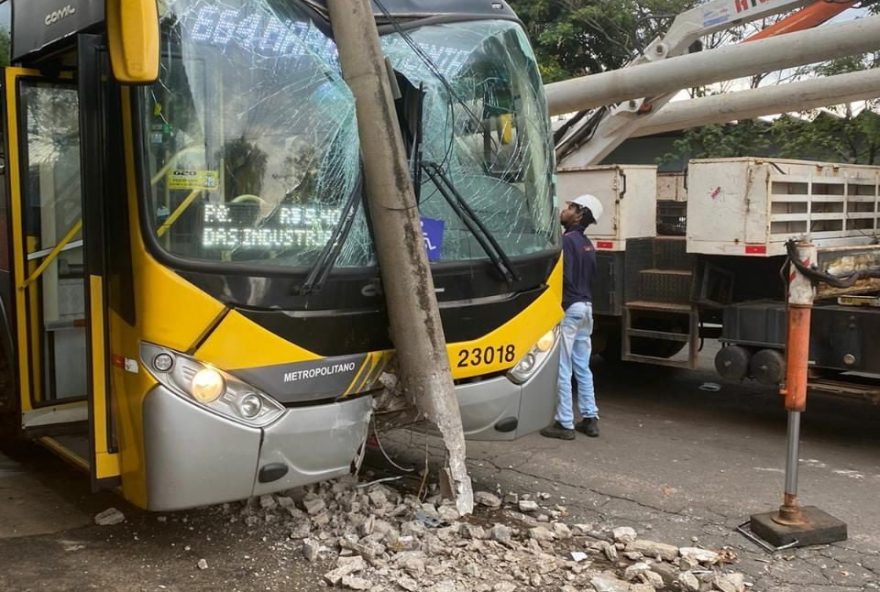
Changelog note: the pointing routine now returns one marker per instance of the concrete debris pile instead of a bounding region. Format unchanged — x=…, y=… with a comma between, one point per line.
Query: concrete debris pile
x=372, y=537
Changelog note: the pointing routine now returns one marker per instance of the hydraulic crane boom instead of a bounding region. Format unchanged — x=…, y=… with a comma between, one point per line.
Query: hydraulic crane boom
x=589, y=139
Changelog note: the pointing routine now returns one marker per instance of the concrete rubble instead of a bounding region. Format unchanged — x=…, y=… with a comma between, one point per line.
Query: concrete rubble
x=373, y=537
x=109, y=517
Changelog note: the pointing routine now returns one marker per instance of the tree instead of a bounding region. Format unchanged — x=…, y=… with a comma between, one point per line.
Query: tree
x=746, y=138
x=577, y=37
x=850, y=138
x=4, y=48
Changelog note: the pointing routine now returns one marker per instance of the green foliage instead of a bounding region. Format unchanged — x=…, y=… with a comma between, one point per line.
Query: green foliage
x=844, y=133
x=849, y=138
x=4, y=48
x=747, y=138
x=578, y=37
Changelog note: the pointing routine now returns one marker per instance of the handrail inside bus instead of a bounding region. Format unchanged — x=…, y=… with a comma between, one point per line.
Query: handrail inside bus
x=42, y=253
x=178, y=211
x=53, y=254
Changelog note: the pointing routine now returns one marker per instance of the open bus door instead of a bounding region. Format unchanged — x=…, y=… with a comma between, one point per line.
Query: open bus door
x=55, y=172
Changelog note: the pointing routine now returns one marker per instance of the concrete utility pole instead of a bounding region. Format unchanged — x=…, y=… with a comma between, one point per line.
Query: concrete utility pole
x=767, y=100
x=416, y=330
x=714, y=65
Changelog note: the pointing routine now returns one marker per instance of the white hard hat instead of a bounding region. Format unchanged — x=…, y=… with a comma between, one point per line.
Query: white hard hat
x=589, y=201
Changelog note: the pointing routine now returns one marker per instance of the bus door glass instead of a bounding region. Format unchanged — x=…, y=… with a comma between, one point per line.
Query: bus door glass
x=49, y=246
x=58, y=298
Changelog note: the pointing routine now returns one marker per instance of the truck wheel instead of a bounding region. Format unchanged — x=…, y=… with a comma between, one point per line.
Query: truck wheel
x=732, y=362
x=768, y=367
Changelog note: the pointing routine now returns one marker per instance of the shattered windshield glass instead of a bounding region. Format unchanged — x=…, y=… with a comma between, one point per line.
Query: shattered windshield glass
x=485, y=124
x=250, y=139
x=251, y=148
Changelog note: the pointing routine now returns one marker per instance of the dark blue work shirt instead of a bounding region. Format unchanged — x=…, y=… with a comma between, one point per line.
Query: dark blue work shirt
x=578, y=267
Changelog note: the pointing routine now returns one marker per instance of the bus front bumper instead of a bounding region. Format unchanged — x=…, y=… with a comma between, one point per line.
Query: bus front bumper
x=195, y=458
x=498, y=409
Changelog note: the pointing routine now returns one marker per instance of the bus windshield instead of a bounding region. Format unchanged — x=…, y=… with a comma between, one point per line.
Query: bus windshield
x=251, y=147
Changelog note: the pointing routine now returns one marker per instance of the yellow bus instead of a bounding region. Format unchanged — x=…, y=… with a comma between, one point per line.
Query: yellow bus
x=192, y=309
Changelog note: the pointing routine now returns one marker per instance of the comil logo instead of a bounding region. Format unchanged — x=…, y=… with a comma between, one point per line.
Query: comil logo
x=58, y=15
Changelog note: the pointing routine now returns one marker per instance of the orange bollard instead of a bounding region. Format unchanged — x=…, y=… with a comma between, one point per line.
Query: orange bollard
x=797, y=357
x=800, y=308
x=793, y=525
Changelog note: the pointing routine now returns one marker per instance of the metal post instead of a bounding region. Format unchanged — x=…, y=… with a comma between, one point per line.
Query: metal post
x=789, y=511
x=800, y=304
x=415, y=326
x=793, y=525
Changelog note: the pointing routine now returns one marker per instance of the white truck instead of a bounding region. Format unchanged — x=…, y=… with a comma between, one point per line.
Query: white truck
x=712, y=270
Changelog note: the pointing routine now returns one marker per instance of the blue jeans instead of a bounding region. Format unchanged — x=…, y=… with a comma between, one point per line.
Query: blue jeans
x=575, y=348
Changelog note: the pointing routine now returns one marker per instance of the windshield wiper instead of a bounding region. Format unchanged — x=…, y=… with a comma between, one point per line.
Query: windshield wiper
x=328, y=255
x=490, y=245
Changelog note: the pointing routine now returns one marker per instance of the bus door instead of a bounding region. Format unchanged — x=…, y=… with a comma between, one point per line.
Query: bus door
x=58, y=247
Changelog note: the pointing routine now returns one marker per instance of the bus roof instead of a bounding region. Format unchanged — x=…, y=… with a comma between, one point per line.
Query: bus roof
x=429, y=8
x=39, y=24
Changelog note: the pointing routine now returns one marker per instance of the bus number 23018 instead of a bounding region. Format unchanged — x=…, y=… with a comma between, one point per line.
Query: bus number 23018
x=486, y=355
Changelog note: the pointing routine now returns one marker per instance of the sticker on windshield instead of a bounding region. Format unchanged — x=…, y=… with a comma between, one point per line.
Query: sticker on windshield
x=193, y=179
x=432, y=232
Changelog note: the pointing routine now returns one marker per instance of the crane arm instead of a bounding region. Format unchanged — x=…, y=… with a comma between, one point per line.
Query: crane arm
x=594, y=137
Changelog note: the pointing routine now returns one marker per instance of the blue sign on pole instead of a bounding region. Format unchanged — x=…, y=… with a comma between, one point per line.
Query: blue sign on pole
x=432, y=233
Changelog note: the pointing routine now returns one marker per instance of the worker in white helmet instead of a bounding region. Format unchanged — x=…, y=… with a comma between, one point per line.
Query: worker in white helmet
x=579, y=268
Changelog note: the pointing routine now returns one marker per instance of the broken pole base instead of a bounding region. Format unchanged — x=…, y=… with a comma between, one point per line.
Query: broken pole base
x=818, y=528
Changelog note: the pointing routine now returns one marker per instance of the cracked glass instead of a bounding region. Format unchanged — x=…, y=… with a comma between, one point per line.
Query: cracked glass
x=485, y=124
x=251, y=147
x=251, y=140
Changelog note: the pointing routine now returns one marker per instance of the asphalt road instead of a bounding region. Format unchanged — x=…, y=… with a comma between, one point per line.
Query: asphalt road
x=676, y=462
x=681, y=463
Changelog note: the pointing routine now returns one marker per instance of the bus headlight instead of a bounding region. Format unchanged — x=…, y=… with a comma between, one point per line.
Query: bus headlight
x=535, y=358
x=207, y=385
x=211, y=388
x=250, y=405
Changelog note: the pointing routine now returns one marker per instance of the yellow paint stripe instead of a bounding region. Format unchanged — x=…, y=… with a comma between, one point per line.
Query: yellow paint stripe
x=357, y=375
x=106, y=464
x=64, y=452
x=53, y=254
x=374, y=361
x=14, y=171
x=381, y=362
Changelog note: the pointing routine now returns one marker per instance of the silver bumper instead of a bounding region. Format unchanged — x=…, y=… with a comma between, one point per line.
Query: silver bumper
x=490, y=408
x=194, y=457
x=197, y=458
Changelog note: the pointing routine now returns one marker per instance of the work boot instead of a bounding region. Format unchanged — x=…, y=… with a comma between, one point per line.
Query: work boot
x=589, y=426
x=557, y=430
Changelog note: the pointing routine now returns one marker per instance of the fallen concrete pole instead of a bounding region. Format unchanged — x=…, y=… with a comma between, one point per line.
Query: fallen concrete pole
x=725, y=63
x=769, y=100
x=416, y=329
